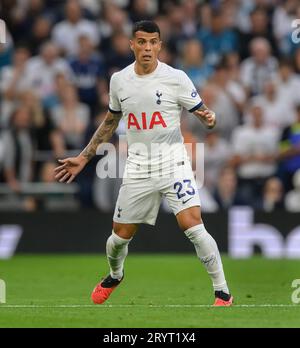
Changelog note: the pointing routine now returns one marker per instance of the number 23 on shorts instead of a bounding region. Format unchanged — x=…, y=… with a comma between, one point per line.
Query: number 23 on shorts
x=183, y=188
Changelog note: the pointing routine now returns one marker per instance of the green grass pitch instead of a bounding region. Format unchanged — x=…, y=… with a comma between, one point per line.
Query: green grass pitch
x=165, y=291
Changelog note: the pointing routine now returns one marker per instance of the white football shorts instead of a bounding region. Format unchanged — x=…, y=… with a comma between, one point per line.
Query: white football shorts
x=139, y=199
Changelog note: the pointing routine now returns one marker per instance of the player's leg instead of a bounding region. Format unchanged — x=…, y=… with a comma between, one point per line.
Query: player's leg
x=116, y=252
x=190, y=221
x=134, y=206
x=137, y=203
x=183, y=198
x=117, y=247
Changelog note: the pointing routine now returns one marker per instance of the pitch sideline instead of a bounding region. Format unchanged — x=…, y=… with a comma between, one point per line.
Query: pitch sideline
x=151, y=306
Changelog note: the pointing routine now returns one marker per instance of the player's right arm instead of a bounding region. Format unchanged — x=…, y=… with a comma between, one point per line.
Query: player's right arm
x=72, y=166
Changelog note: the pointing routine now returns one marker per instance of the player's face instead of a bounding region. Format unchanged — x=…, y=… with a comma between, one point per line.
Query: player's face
x=146, y=47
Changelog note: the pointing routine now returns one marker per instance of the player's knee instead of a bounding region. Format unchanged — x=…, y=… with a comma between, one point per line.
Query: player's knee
x=189, y=218
x=190, y=223
x=126, y=231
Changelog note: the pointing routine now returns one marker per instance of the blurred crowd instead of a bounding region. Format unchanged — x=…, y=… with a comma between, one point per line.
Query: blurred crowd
x=242, y=56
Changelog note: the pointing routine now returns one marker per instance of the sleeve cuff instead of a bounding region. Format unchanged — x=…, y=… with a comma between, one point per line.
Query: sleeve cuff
x=114, y=111
x=196, y=107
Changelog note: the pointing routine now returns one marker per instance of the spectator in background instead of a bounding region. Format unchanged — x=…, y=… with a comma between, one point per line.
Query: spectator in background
x=67, y=32
x=216, y=155
x=227, y=114
x=226, y=193
x=292, y=43
x=232, y=88
x=292, y=199
x=120, y=55
x=273, y=196
x=232, y=63
x=204, y=16
x=42, y=70
x=18, y=149
x=193, y=63
x=142, y=10
x=217, y=40
x=283, y=16
x=290, y=152
x=7, y=8
x=259, y=28
x=258, y=68
x=288, y=83
x=175, y=17
x=71, y=118
x=12, y=83
x=40, y=34
x=93, y=8
x=60, y=83
x=274, y=106
x=89, y=75
x=114, y=19
x=230, y=9
x=46, y=136
x=23, y=17
x=189, y=8
x=254, y=149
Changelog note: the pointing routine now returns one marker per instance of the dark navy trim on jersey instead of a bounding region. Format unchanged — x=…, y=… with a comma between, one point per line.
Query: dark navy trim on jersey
x=196, y=107
x=113, y=111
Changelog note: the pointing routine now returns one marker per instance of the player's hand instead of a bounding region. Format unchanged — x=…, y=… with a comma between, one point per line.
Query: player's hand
x=208, y=117
x=69, y=168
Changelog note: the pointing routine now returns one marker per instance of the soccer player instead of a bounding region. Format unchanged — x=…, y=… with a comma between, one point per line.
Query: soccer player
x=150, y=95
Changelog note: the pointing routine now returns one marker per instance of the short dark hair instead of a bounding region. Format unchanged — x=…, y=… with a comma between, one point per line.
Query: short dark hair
x=147, y=26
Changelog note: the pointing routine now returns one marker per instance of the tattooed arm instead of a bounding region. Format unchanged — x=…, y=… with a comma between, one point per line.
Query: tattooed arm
x=206, y=116
x=72, y=166
x=102, y=135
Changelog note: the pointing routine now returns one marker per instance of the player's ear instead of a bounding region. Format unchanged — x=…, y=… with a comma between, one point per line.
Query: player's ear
x=160, y=45
x=131, y=44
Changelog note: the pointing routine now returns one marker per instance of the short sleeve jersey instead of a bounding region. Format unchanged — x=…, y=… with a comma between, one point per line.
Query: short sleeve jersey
x=151, y=106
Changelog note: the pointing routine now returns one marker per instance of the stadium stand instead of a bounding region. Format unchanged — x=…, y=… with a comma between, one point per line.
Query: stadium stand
x=55, y=69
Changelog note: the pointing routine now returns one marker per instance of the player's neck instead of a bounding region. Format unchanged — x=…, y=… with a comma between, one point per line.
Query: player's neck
x=145, y=69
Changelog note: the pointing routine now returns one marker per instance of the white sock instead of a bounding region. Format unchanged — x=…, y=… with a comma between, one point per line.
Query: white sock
x=116, y=251
x=208, y=253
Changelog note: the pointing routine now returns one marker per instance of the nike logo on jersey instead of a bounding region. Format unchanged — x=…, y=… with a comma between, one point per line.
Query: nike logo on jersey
x=121, y=100
x=183, y=202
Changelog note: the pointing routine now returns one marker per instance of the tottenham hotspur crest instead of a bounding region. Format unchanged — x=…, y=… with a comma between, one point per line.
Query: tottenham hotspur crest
x=158, y=94
x=119, y=212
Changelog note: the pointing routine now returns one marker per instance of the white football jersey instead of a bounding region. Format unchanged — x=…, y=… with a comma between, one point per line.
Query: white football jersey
x=151, y=106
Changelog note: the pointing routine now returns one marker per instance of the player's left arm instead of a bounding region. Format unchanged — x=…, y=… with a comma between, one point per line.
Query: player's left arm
x=206, y=116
